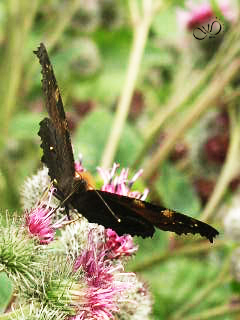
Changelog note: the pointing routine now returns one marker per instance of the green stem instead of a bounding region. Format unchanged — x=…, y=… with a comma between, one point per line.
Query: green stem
x=139, y=41
x=222, y=310
x=20, y=17
x=202, y=295
x=62, y=22
x=224, y=56
x=160, y=118
x=192, y=249
x=230, y=48
x=134, y=12
x=208, y=98
x=53, y=36
x=229, y=168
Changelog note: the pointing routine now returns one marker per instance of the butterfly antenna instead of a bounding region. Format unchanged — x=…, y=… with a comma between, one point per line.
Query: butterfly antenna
x=115, y=216
x=63, y=201
x=71, y=221
x=45, y=193
x=75, y=188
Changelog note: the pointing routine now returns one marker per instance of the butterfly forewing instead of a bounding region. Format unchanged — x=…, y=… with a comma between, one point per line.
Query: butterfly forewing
x=120, y=218
x=54, y=133
x=50, y=88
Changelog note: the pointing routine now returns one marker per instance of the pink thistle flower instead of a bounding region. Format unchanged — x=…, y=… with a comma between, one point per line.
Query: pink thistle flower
x=119, y=246
x=196, y=14
x=95, y=264
x=78, y=164
x=104, y=285
x=39, y=221
x=94, y=304
x=120, y=184
x=78, y=167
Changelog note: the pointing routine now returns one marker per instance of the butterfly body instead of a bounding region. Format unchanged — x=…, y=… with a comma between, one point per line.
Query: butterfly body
x=123, y=214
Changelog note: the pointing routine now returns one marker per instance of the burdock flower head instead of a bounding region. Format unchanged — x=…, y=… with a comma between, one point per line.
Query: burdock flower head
x=199, y=13
x=120, y=246
x=121, y=184
x=106, y=285
x=39, y=220
x=78, y=164
x=117, y=246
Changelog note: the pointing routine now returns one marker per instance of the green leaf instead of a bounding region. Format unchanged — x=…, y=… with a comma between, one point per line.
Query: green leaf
x=176, y=191
x=165, y=25
x=25, y=125
x=177, y=281
x=91, y=137
x=107, y=84
x=235, y=286
x=5, y=291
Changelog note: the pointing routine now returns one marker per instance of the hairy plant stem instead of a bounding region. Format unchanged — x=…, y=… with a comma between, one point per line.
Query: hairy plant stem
x=229, y=168
x=186, y=250
x=205, y=100
x=140, y=34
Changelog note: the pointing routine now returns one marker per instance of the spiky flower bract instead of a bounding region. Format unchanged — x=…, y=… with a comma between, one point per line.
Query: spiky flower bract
x=20, y=258
x=33, y=188
x=140, y=306
x=39, y=312
x=80, y=274
x=74, y=237
x=55, y=280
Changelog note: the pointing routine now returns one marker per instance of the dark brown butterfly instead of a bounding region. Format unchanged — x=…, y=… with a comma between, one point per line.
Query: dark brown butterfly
x=120, y=213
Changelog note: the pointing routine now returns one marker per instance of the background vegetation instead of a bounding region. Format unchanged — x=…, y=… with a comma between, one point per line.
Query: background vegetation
x=139, y=90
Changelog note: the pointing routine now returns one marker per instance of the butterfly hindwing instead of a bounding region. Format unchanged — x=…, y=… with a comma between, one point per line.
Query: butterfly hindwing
x=111, y=213
x=52, y=156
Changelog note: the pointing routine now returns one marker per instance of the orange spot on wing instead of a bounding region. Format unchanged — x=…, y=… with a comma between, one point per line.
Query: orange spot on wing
x=139, y=203
x=167, y=213
x=57, y=94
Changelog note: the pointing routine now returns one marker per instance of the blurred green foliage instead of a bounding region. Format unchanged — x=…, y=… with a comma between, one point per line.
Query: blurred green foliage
x=6, y=291
x=92, y=134
x=176, y=191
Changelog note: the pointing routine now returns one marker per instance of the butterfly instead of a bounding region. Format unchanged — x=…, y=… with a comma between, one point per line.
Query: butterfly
x=123, y=214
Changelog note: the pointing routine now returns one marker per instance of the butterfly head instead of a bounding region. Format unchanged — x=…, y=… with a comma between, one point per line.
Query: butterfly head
x=86, y=178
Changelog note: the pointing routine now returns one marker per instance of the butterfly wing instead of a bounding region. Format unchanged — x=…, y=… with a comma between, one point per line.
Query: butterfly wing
x=123, y=214
x=137, y=216
x=106, y=209
x=54, y=133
